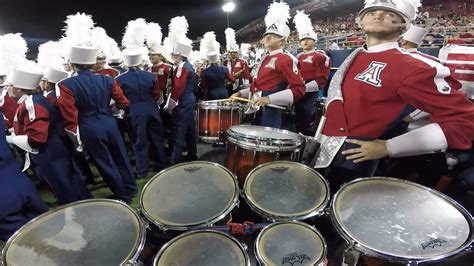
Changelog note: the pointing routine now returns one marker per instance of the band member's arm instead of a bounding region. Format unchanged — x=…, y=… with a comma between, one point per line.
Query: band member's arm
x=179, y=84
x=324, y=67
x=67, y=107
x=246, y=73
x=434, y=91
x=229, y=76
x=117, y=95
x=156, y=90
x=290, y=73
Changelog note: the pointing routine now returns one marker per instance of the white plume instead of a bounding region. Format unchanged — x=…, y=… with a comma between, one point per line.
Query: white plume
x=178, y=30
x=153, y=35
x=417, y=4
x=195, y=57
x=49, y=56
x=244, y=49
x=78, y=29
x=13, y=51
x=278, y=13
x=303, y=23
x=135, y=33
x=230, y=38
x=209, y=44
x=99, y=39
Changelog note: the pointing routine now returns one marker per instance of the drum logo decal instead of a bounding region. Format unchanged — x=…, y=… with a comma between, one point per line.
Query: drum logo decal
x=294, y=258
x=280, y=169
x=192, y=169
x=433, y=243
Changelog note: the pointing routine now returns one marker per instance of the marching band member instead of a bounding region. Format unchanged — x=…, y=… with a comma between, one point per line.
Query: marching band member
x=314, y=67
x=238, y=67
x=214, y=77
x=278, y=80
x=36, y=132
x=367, y=101
x=143, y=91
x=83, y=101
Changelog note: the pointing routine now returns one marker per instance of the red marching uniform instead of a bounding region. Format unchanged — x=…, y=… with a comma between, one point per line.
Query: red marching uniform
x=111, y=72
x=163, y=71
x=380, y=87
x=8, y=106
x=239, y=66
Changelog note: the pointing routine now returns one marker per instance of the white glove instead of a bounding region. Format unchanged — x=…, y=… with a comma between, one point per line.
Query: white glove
x=9, y=139
x=170, y=105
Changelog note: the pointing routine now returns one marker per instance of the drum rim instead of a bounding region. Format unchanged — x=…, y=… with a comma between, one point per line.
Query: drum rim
x=378, y=254
x=172, y=241
x=164, y=227
x=268, y=227
x=255, y=143
x=133, y=258
x=318, y=211
x=214, y=106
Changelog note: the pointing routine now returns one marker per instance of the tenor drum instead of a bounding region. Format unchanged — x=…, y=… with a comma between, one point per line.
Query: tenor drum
x=214, y=118
x=189, y=195
x=89, y=232
x=249, y=146
x=285, y=190
x=397, y=220
x=203, y=247
x=290, y=243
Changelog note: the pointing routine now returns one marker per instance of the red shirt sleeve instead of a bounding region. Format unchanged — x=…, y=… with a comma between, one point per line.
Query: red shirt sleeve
x=229, y=76
x=291, y=75
x=323, y=70
x=179, y=83
x=117, y=94
x=67, y=107
x=36, y=130
x=246, y=73
x=437, y=93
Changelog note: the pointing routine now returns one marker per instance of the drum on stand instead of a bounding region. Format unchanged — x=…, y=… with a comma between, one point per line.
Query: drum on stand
x=203, y=247
x=284, y=190
x=249, y=146
x=290, y=243
x=88, y=232
x=397, y=220
x=214, y=118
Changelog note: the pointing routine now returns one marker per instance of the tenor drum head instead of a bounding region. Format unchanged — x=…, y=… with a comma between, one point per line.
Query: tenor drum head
x=286, y=243
x=265, y=139
x=90, y=232
x=399, y=220
x=284, y=190
x=225, y=105
x=189, y=194
x=204, y=247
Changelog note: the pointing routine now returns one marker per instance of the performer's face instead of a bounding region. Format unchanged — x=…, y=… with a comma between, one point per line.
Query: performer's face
x=233, y=55
x=154, y=58
x=273, y=42
x=176, y=58
x=379, y=21
x=16, y=92
x=307, y=44
x=100, y=63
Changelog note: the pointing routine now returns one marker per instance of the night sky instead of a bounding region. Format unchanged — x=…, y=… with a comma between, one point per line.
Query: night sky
x=41, y=19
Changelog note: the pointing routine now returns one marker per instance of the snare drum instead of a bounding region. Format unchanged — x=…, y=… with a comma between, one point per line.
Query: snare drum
x=290, y=243
x=188, y=195
x=89, y=232
x=203, y=247
x=214, y=118
x=397, y=220
x=284, y=190
x=249, y=146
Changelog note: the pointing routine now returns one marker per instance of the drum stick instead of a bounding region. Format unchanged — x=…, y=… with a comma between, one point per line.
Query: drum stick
x=217, y=101
x=250, y=101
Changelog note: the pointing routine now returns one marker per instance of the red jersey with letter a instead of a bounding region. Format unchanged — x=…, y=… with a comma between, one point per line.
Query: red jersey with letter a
x=314, y=66
x=237, y=66
x=111, y=72
x=382, y=81
x=277, y=69
x=163, y=71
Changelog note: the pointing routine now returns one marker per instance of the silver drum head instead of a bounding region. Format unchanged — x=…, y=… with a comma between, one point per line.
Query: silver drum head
x=189, y=194
x=284, y=190
x=90, y=232
x=204, y=247
x=399, y=220
x=286, y=243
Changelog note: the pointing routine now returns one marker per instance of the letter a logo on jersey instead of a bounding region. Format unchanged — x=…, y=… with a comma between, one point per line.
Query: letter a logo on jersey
x=372, y=74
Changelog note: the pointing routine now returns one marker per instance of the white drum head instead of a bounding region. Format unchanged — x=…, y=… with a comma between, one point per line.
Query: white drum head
x=204, y=247
x=284, y=190
x=189, y=194
x=90, y=232
x=399, y=220
x=290, y=243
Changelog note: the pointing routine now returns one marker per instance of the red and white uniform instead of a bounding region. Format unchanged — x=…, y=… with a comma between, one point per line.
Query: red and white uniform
x=8, y=106
x=111, y=72
x=278, y=69
x=163, y=71
x=239, y=65
x=314, y=66
x=383, y=80
x=32, y=120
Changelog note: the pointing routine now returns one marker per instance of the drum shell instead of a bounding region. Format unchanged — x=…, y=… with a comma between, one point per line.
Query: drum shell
x=214, y=119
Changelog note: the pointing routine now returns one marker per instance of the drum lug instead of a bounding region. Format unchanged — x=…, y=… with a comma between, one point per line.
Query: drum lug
x=133, y=263
x=350, y=256
x=412, y=263
x=245, y=246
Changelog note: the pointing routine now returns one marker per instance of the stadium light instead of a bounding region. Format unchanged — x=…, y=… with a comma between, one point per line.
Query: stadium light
x=228, y=7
